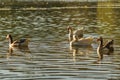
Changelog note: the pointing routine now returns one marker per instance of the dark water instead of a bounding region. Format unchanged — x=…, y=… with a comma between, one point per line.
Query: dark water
x=49, y=56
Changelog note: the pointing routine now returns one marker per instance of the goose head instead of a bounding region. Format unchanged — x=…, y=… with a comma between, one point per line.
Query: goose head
x=70, y=30
x=100, y=39
x=9, y=37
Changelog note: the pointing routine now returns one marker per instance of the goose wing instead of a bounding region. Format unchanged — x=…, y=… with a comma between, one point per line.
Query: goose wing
x=109, y=44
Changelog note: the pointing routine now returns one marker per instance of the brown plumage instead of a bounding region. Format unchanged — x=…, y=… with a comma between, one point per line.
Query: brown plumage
x=104, y=49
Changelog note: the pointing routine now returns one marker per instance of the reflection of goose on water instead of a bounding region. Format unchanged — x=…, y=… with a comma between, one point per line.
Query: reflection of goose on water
x=17, y=43
x=104, y=49
x=20, y=49
x=80, y=51
x=13, y=51
x=78, y=33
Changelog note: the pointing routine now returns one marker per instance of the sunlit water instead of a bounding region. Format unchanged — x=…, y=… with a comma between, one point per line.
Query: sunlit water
x=49, y=56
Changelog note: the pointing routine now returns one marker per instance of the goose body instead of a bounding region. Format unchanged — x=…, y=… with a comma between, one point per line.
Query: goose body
x=78, y=33
x=17, y=43
x=104, y=49
x=82, y=42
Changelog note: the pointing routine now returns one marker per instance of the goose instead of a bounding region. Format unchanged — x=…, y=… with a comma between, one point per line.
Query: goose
x=82, y=42
x=17, y=43
x=78, y=33
x=104, y=49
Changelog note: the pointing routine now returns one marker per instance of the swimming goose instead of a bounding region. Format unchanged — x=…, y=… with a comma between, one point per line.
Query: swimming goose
x=17, y=43
x=78, y=33
x=82, y=42
x=104, y=49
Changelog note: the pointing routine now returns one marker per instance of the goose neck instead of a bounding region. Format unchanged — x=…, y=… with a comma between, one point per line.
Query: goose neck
x=10, y=39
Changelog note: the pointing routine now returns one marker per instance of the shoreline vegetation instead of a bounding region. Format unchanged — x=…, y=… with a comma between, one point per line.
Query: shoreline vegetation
x=60, y=4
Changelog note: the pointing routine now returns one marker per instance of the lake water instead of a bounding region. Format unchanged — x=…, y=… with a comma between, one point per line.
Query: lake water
x=49, y=56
